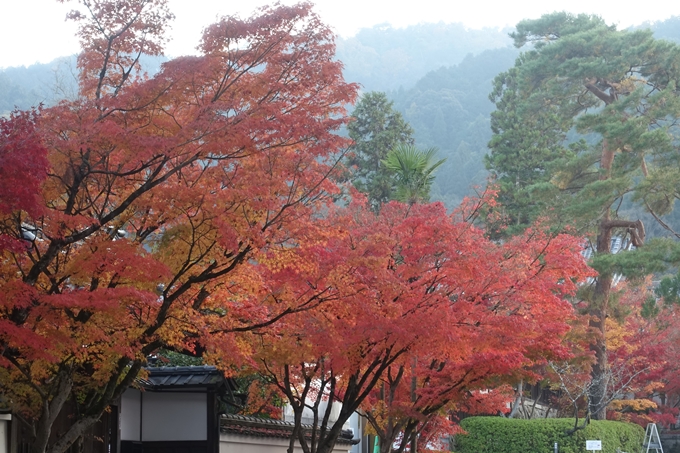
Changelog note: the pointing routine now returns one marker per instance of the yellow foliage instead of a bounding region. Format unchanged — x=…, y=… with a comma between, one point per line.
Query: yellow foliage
x=653, y=386
x=561, y=180
x=636, y=405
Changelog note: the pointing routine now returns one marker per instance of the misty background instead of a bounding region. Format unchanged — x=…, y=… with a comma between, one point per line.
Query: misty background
x=438, y=76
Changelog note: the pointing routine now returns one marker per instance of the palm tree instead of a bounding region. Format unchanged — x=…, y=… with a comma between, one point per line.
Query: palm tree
x=413, y=171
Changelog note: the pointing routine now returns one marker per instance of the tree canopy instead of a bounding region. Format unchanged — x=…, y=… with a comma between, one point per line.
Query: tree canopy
x=196, y=210
x=169, y=205
x=585, y=127
x=428, y=313
x=413, y=171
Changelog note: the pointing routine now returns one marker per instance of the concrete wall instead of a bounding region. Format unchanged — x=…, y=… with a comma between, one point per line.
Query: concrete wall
x=232, y=443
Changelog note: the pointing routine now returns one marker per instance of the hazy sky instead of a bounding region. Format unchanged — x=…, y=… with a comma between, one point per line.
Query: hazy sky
x=35, y=31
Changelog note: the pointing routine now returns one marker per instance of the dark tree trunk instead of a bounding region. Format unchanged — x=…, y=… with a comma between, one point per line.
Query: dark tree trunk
x=42, y=428
x=599, y=306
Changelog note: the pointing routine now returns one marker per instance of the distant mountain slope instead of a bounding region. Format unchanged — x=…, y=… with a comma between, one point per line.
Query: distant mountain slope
x=384, y=58
x=668, y=29
x=449, y=108
x=22, y=87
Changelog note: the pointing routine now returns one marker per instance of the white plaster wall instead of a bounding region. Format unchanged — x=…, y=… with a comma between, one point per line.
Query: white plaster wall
x=308, y=415
x=174, y=416
x=232, y=443
x=4, y=432
x=130, y=415
x=355, y=424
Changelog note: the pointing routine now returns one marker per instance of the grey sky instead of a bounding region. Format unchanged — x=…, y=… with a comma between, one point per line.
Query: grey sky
x=35, y=31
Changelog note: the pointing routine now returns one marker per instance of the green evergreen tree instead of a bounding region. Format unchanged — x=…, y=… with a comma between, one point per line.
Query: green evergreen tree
x=585, y=125
x=377, y=128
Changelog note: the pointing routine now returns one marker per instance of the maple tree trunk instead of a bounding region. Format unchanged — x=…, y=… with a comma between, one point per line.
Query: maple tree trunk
x=326, y=447
x=296, y=429
x=78, y=425
x=518, y=400
x=50, y=410
x=392, y=428
x=72, y=438
x=77, y=446
x=74, y=434
x=414, y=441
x=388, y=436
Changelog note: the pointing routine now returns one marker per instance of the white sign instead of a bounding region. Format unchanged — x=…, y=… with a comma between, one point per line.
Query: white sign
x=593, y=445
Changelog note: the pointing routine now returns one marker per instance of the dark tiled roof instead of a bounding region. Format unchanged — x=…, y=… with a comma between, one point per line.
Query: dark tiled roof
x=170, y=377
x=264, y=427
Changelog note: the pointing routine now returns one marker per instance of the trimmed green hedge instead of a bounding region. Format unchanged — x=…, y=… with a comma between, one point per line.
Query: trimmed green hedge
x=505, y=435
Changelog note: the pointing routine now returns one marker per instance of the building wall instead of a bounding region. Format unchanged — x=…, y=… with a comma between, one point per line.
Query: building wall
x=308, y=415
x=163, y=416
x=354, y=423
x=168, y=416
x=231, y=443
x=131, y=415
x=4, y=432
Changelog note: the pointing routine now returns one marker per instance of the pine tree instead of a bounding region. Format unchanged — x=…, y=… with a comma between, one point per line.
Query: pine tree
x=376, y=129
x=584, y=127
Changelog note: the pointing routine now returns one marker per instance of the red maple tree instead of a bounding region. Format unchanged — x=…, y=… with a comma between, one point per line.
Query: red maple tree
x=510, y=315
x=642, y=351
x=427, y=310
x=167, y=200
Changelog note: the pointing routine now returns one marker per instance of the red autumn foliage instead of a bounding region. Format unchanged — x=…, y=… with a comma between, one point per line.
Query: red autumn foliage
x=23, y=168
x=428, y=314
x=170, y=203
x=197, y=210
x=645, y=348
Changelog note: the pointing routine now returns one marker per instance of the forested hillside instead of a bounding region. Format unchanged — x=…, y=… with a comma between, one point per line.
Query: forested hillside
x=449, y=108
x=23, y=87
x=668, y=29
x=383, y=58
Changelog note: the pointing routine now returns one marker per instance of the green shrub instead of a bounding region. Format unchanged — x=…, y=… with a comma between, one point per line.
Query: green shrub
x=504, y=435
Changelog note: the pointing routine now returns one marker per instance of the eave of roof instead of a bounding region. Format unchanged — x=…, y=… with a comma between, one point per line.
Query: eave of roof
x=182, y=377
x=263, y=427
